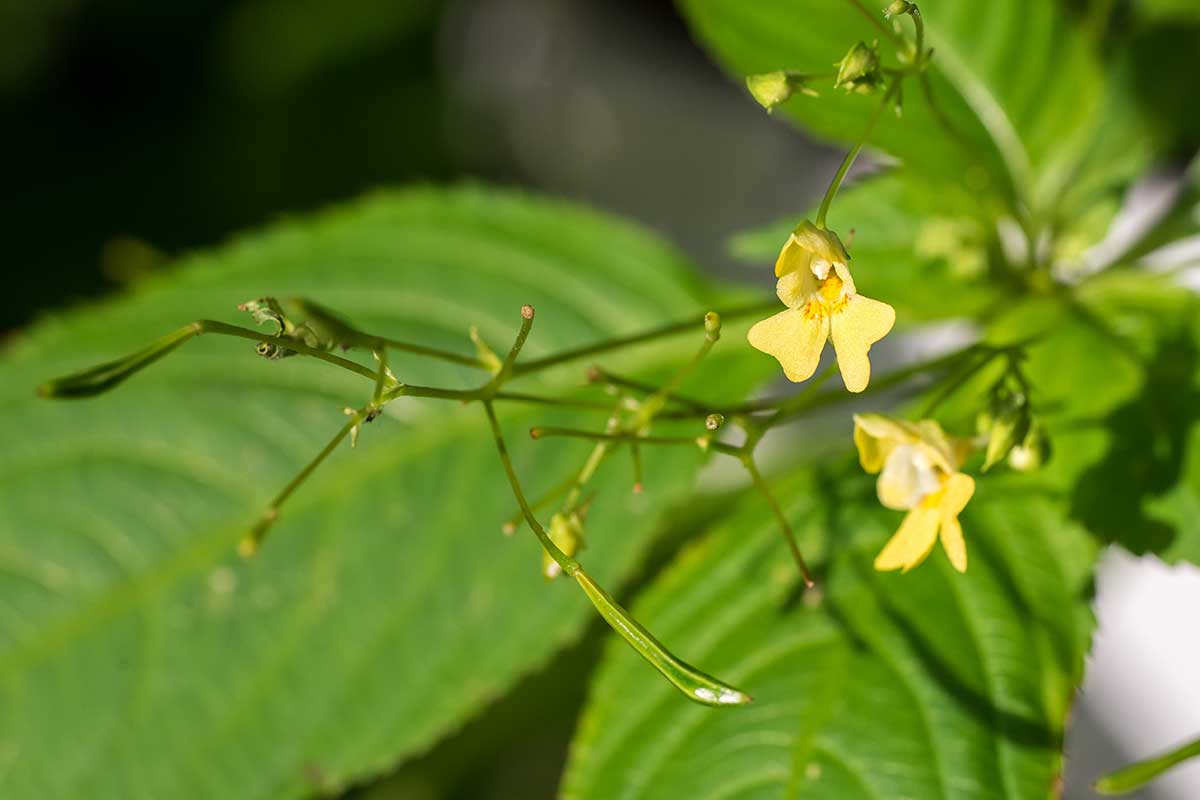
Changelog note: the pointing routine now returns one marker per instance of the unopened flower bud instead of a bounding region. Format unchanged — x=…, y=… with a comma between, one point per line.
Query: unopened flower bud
x=712, y=326
x=897, y=8
x=566, y=531
x=773, y=88
x=714, y=421
x=1010, y=424
x=1032, y=452
x=859, y=70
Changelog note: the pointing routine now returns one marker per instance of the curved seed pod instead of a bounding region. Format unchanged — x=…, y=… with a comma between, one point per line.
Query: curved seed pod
x=100, y=379
x=698, y=686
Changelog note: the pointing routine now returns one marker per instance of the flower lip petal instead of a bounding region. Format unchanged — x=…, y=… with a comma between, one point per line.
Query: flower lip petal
x=794, y=339
x=911, y=543
x=953, y=544
x=854, y=328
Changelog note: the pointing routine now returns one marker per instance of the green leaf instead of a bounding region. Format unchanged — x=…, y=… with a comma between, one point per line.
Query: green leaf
x=1020, y=84
x=140, y=657
x=926, y=265
x=1115, y=375
x=928, y=684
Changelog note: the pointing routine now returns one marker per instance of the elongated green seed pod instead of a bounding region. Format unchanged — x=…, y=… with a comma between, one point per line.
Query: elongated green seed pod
x=1137, y=775
x=100, y=379
x=697, y=685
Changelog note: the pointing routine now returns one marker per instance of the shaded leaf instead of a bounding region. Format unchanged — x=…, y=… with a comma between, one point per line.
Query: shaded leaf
x=140, y=657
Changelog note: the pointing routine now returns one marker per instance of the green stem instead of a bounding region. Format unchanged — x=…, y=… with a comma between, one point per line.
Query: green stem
x=348, y=335
x=695, y=406
x=848, y=161
x=377, y=395
x=919, y=25
x=510, y=524
x=608, y=345
x=655, y=402
x=784, y=526
x=565, y=562
x=252, y=541
x=878, y=23
x=702, y=443
x=106, y=376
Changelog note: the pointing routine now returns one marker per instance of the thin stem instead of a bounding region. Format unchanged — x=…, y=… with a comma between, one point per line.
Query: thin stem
x=544, y=431
x=878, y=23
x=635, y=452
x=882, y=384
x=253, y=539
x=224, y=329
x=608, y=345
x=350, y=336
x=799, y=400
x=788, y=534
x=848, y=161
x=98, y=379
x=953, y=385
x=565, y=562
x=655, y=402
x=432, y=352
x=377, y=395
x=563, y=402
x=510, y=524
x=598, y=454
x=489, y=390
x=645, y=388
x=919, y=24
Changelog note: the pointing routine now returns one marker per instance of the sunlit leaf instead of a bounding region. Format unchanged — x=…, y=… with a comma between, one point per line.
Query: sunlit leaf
x=928, y=684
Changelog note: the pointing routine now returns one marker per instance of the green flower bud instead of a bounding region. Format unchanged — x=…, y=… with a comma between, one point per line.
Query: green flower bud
x=897, y=8
x=1010, y=424
x=712, y=326
x=714, y=421
x=1033, y=451
x=772, y=88
x=859, y=70
x=566, y=531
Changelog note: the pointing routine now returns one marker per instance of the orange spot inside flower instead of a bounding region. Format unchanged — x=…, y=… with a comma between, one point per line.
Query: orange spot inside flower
x=828, y=299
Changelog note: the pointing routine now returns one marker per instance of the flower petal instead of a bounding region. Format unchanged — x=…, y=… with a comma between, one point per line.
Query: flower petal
x=794, y=289
x=957, y=490
x=908, y=477
x=952, y=542
x=821, y=242
x=792, y=258
x=794, y=339
x=912, y=542
x=855, y=328
x=875, y=436
x=940, y=446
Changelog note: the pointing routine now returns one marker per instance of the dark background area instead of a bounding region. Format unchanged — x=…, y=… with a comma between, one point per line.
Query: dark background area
x=138, y=131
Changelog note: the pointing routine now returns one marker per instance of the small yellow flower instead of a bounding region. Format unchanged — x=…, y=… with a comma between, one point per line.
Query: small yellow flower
x=815, y=285
x=918, y=473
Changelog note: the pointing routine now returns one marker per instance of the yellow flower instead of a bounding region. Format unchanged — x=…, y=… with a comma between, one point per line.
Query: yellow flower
x=815, y=285
x=918, y=472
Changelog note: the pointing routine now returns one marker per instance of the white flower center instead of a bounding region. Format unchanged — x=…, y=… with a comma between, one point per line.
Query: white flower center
x=910, y=471
x=820, y=267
